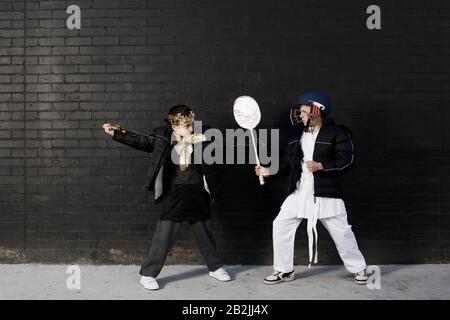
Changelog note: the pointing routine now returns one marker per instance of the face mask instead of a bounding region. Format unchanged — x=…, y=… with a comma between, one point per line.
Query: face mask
x=314, y=113
x=295, y=116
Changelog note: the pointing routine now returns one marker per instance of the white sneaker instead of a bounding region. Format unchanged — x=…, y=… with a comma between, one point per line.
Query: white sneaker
x=278, y=277
x=360, y=277
x=220, y=274
x=149, y=283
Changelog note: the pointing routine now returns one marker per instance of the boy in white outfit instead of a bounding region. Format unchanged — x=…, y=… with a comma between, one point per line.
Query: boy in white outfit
x=315, y=161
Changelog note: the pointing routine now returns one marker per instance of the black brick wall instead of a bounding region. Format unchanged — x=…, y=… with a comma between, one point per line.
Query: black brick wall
x=69, y=193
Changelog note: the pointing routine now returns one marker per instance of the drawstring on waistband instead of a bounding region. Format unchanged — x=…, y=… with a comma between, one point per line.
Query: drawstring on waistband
x=313, y=236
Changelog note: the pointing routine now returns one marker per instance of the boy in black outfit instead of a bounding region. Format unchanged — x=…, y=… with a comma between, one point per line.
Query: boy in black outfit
x=182, y=189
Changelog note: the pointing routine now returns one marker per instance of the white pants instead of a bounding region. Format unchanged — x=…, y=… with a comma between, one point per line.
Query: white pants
x=285, y=226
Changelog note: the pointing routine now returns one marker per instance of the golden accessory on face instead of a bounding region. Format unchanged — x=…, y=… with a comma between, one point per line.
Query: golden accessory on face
x=180, y=120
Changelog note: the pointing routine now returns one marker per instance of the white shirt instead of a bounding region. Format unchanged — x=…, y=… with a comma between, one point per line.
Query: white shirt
x=302, y=203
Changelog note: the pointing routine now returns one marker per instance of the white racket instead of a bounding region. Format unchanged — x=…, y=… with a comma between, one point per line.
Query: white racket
x=247, y=115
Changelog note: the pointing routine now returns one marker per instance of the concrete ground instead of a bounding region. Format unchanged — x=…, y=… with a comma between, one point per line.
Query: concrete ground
x=186, y=282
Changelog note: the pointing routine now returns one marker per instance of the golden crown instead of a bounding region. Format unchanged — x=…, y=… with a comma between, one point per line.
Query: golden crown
x=181, y=119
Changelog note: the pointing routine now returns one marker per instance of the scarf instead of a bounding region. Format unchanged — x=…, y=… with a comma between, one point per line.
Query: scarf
x=183, y=146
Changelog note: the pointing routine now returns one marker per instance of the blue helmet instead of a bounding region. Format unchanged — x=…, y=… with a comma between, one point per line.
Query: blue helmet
x=320, y=99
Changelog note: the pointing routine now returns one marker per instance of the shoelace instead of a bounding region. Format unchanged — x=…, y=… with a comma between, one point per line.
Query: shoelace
x=276, y=273
x=221, y=271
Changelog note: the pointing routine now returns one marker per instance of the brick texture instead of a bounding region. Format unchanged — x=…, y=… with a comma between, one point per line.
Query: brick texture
x=68, y=193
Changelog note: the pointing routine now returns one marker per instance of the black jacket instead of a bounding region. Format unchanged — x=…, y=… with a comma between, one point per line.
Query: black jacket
x=333, y=148
x=159, y=148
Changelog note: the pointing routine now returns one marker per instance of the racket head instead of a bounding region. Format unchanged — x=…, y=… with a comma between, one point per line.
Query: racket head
x=246, y=112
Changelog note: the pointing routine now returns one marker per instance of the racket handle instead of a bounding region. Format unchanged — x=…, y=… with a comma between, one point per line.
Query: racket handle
x=261, y=180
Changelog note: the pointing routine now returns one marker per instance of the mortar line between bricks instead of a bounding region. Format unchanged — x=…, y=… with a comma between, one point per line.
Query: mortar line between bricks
x=25, y=195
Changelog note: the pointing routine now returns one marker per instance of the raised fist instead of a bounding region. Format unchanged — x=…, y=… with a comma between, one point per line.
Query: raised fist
x=108, y=128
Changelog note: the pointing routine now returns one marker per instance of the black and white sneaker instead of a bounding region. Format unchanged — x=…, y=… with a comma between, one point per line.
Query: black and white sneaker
x=360, y=277
x=278, y=277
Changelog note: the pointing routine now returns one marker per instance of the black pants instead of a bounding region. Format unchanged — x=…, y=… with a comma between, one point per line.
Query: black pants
x=164, y=238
